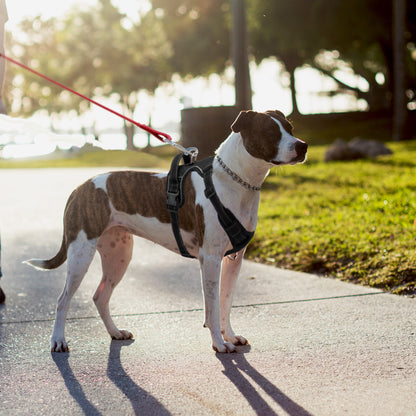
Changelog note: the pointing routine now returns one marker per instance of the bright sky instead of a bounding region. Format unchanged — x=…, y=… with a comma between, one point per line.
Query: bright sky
x=19, y=9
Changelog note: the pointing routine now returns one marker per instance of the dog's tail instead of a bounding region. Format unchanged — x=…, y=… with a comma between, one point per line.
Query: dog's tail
x=52, y=263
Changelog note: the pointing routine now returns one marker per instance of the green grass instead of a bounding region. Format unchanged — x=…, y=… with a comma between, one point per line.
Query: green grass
x=351, y=220
x=158, y=158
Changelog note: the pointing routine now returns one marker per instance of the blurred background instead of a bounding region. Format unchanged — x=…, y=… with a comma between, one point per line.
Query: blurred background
x=187, y=67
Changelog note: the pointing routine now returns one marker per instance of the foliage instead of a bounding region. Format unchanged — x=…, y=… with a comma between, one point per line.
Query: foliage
x=356, y=35
x=199, y=32
x=97, y=52
x=352, y=220
x=353, y=36
x=282, y=29
x=101, y=52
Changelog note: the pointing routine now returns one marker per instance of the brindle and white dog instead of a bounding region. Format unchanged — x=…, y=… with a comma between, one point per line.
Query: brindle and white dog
x=103, y=213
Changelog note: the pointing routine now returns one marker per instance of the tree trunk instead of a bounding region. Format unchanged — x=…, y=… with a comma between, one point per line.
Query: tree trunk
x=291, y=70
x=240, y=57
x=129, y=132
x=399, y=101
x=149, y=136
x=129, y=128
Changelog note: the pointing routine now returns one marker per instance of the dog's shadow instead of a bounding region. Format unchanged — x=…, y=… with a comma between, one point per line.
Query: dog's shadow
x=236, y=368
x=143, y=403
x=244, y=376
x=72, y=384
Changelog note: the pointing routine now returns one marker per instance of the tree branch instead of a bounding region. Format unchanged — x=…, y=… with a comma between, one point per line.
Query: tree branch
x=338, y=81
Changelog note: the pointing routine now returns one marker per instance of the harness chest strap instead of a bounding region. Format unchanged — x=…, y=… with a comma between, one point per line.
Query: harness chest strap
x=175, y=198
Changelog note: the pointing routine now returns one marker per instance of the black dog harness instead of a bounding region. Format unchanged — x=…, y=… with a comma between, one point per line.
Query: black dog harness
x=175, y=198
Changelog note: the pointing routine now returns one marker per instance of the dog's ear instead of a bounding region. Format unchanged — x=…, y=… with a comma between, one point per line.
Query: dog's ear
x=242, y=121
x=275, y=113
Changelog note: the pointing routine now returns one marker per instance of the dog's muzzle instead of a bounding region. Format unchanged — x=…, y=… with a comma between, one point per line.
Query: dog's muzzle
x=301, y=148
x=298, y=149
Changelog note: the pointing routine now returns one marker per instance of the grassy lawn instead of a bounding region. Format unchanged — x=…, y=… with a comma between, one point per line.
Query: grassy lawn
x=159, y=158
x=354, y=221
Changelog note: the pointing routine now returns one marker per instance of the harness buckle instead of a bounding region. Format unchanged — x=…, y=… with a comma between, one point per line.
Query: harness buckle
x=172, y=200
x=209, y=192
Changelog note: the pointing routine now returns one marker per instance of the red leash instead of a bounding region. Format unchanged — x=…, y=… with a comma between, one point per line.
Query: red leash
x=164, y=137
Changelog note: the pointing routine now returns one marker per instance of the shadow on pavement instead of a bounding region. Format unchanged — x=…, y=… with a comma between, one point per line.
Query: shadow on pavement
x=143, y=403
x=239, y=371
x=72, y=384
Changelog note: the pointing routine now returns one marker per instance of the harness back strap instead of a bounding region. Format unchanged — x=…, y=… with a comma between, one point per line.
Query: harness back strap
x=175, y=198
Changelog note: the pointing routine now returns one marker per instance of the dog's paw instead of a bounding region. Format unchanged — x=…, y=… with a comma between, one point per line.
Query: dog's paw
x=122, y=334
x=239, y=340
x=59, y=345
x=226, y=347
x=236, y=339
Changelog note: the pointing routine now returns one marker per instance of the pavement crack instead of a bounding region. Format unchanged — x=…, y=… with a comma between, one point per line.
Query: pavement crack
x=176, y=311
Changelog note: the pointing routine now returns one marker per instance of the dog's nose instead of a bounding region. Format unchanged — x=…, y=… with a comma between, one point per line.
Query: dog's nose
x=301, y=147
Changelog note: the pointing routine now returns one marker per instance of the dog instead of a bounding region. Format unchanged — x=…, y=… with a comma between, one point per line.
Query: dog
x=107, y=210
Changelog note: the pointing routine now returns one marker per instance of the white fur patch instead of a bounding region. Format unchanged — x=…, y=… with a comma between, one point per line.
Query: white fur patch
x=286, y=151
x=160, y=175
x=100, y=181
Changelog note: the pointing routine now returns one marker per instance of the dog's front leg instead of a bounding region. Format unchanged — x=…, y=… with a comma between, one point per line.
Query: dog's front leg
x=229, y=274
x=210, y=274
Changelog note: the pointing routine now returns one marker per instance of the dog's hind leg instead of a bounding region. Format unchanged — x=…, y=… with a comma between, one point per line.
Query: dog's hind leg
x=229, y=274
x=80, y=254
x=115, y=247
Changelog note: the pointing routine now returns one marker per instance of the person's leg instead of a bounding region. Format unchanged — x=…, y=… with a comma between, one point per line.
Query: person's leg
x=3, y=19
x=2, y=295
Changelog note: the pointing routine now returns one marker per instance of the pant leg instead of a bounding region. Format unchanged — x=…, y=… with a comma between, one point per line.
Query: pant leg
x=1, y=274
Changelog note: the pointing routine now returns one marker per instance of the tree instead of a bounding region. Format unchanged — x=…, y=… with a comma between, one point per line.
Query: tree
x=199, y=32
x=360, y=30
x=357, y=33
x=399, y=111
x=282, y=29
x=97, y=52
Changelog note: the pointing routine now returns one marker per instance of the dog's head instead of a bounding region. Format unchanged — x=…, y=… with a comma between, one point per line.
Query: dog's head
x=268, y=136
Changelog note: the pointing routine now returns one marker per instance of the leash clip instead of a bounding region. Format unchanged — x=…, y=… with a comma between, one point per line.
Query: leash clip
x=192, y=152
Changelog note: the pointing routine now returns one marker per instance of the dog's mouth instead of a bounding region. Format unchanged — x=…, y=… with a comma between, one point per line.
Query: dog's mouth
x=297, y=159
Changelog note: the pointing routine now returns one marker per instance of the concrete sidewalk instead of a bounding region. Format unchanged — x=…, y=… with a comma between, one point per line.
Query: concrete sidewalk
x=318, y=346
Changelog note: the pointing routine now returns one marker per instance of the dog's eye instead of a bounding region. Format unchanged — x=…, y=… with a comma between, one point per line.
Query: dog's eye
x=288, y=127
